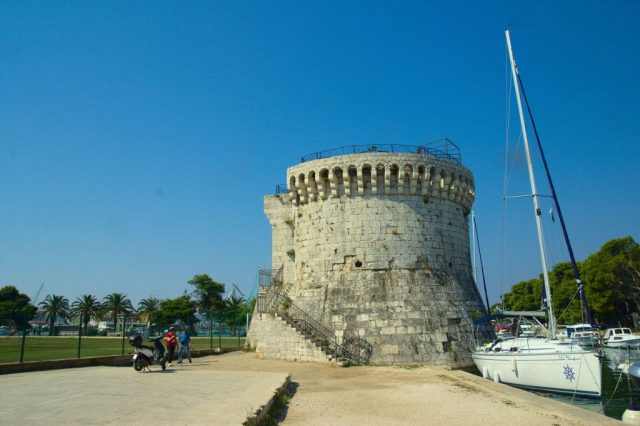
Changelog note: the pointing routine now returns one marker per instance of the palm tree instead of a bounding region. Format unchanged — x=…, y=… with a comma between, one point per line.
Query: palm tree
x=148, y=307
x=116, y=303
x=87, y=306
x=233, y=312
x=54, y=307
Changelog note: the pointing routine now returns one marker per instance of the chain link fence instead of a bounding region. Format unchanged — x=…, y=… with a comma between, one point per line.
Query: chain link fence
x=68, y=341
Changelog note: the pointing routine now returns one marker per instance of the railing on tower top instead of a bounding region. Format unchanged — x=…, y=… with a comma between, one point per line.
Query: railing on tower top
x=281, y=189
x=443, y=149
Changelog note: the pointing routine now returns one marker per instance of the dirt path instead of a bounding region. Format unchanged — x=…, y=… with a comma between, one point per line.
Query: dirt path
x=326, y=395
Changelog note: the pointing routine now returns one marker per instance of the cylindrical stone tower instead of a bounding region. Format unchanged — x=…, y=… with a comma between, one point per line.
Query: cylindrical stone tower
x=376, y=245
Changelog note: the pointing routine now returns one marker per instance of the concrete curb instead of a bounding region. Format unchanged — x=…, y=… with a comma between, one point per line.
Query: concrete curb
x=263, y=411
x=109, y=361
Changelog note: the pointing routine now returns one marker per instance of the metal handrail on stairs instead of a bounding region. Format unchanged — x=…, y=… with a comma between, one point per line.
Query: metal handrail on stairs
x=357, y=350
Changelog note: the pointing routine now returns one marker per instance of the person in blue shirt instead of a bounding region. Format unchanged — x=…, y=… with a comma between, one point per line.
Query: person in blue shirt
x=185, y=342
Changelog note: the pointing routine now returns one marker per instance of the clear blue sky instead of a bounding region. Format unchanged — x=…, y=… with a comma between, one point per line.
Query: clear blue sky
x=137, y=140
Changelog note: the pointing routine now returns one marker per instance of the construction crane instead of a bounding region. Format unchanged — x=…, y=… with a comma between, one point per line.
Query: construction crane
x=234, y=293
x=35, y=299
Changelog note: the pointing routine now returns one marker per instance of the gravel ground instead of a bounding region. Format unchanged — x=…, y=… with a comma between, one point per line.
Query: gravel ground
x=327, y=395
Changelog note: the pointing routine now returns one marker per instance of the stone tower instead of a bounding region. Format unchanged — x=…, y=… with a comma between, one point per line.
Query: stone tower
x=375, y=244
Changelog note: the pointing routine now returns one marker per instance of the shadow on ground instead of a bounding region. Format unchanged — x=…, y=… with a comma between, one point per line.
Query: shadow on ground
x=281, y=407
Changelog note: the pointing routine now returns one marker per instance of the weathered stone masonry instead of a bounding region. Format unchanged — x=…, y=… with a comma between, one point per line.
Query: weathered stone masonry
x=376, y=245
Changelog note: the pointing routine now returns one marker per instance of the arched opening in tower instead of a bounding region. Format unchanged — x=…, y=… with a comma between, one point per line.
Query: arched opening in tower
x=366, y=179
x=393, y=182
x=353, y=181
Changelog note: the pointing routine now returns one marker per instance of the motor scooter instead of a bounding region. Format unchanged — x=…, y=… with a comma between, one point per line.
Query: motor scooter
x=147, y=355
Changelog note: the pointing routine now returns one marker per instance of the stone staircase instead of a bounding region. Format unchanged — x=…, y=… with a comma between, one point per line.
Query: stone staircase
x=319, y=341
x=273, y=303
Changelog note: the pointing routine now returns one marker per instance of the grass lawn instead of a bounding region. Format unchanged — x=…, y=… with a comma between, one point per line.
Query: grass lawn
x=38, y=348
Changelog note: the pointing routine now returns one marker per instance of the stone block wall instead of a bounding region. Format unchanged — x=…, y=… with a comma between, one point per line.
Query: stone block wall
x=273, y=338
x=376, y=245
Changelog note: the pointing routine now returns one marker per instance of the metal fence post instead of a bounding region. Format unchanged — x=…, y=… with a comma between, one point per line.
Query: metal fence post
x=219, y=336
x=124, y=322
x=24, y=337
x=80, y=335
x=211, y=332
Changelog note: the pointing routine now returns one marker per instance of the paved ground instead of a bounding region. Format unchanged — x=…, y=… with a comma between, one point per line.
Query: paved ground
x=326, y=395
x=225, y=389
x=190, y=394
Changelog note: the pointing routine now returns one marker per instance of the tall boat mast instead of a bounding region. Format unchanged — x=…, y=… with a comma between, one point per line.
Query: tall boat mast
x=534, y=192
x=554, y=195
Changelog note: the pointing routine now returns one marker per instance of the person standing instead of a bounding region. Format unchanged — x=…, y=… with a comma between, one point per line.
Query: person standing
x=185, y=342
x=172, y=342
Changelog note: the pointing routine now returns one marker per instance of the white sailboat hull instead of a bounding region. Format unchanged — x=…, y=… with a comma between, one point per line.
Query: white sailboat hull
x=568, y=372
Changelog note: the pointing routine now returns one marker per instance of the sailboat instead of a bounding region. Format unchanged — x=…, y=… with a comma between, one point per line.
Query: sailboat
x=548, y=363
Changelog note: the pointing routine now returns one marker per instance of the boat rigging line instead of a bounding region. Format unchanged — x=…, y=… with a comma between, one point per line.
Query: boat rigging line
x=484, y=282
x=554, y=195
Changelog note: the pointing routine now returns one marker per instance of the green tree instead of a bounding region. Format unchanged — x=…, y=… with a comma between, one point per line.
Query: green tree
x=86, y=306
x=54, y=307
x=182, y=308
x=208, y=294
x=566, y=300
x=612, y=281
x=16, y=306
x=524, y=296
x=233, y=312
x=148, y=308
x=248, y=307
x=116, y=304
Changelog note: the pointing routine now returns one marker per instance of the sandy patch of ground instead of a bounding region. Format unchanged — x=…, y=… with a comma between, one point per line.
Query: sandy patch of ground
x=327, y=395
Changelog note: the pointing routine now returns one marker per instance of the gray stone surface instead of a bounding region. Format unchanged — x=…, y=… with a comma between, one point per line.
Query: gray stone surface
x=376, y=246
x=186, y=394
x=275, y=339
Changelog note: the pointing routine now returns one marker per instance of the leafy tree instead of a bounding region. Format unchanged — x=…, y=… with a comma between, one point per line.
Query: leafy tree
x=233, y=312
x=612, y=277
x=566, y=299
x=116, y=304
x=182, y=308
x=248, y=307
x=611, y=280
x=54, y=307
x=86, y=306
x=148, y=308
x=524, y=296
x=16, y=306
x=209, y=294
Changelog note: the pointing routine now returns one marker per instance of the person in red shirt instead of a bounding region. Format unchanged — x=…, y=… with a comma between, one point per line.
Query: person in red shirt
x=172, y=342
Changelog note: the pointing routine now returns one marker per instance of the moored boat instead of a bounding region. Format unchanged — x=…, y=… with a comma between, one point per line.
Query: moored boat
x=542, y=363
x=584, y=335
x=620, y=338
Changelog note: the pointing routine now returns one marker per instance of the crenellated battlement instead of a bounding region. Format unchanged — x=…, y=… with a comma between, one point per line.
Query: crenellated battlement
x=381, y=174
x=373, y=243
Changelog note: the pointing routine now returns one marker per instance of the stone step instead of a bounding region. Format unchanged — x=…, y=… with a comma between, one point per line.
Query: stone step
x=342, y=362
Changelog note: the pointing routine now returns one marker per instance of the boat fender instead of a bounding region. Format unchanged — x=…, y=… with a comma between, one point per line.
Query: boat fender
x=496, y=376
x=514, y=365
x=634, y=374
x=631, y=417
x=485, y=372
